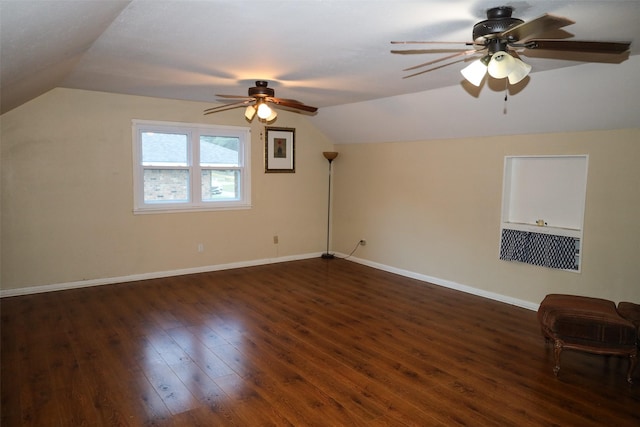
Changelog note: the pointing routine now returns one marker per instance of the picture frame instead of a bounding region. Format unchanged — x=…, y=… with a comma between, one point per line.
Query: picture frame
x=279, y=150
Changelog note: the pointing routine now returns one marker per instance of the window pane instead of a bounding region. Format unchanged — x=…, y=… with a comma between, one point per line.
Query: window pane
x=166, y=185
x=219, y=151
x=220, y=185
x=164, y=149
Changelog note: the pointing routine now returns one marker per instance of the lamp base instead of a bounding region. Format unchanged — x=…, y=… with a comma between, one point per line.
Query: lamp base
x=327, y=255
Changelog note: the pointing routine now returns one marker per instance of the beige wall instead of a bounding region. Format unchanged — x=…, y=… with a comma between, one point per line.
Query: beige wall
x=428, y=207
x=433, y=208
x=67, y=195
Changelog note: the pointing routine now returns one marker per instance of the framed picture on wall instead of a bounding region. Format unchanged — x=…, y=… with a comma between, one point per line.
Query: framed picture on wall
x=279, y=149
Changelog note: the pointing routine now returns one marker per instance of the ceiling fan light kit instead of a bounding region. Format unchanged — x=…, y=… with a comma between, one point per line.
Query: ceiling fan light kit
x=498, y=37
x=257, y=103
x=499, y=65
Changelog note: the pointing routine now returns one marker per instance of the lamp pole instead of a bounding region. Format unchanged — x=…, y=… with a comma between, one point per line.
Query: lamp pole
x=330, y=156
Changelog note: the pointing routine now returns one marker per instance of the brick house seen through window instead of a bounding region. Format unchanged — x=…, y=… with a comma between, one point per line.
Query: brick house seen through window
x=179, y=168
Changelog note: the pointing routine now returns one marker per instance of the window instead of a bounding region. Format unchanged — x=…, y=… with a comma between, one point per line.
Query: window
x=190, y=167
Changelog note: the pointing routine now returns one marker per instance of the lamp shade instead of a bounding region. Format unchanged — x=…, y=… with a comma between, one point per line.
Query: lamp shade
x=501, y=65
x=475, y=72
x=520, y=71
x=330, y=155
x=273, y=116
x=250, y=112
x=264, y=111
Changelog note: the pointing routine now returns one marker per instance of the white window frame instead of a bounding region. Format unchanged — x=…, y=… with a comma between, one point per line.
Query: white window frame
x=193, y=132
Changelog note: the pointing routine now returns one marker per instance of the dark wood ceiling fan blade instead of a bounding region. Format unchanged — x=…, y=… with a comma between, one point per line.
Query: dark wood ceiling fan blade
x=579, y=46
x=286, y=99
x=425, y=51
x=227, y=107
x=444, y=58
x=290, y=104
x=536, y=26
x=432, y=42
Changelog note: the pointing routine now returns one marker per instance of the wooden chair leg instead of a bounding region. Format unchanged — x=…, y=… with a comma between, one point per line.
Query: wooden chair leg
x=557, y=349
x=633, y=361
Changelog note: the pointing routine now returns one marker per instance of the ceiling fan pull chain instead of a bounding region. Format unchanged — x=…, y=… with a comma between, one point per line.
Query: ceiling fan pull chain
x=506, y=96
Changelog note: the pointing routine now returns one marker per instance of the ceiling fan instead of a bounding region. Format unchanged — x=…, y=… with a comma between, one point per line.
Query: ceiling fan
x=258, y=101
x=500, y=37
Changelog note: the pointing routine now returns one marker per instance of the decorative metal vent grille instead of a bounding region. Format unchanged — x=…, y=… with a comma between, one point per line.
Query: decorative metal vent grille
x=546, y=250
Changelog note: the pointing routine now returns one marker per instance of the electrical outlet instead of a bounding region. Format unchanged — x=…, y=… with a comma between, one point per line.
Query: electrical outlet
x=363, y=242
x=275, y=240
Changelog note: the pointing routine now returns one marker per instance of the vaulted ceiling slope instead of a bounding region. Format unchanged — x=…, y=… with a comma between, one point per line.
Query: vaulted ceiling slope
x=334, y=54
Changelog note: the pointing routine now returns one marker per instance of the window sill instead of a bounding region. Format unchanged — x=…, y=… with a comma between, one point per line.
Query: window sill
x=174, y=209
x=534, y=228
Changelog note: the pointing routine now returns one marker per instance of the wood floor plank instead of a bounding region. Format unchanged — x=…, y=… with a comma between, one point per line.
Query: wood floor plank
x=200, y=354
x=36, y=390
x=175, y=395
x=213, y=400
x=312, y=342
x=249, y=404
x=71, y=393
x=116, y=385
x=11, y=339
x=369, y=363
x=364, y=356
x=297, y=389
x=312, y=365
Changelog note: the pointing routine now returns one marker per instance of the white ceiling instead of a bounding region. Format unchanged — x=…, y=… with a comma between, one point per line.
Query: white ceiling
x=333, y=54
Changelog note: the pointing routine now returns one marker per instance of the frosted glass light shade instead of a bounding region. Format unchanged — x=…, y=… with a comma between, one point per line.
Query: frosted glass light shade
x=264, y=111
x=250, y=112
x=272, y=116
x=501, y=65
x=475, y=72
x=520, y=71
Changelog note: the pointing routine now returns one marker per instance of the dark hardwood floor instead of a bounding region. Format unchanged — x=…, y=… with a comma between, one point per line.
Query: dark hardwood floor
x=305, y=343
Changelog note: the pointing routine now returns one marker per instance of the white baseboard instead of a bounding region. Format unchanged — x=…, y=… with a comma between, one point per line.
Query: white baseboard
x=159, y=274
x=449, y=284
x=145, y=276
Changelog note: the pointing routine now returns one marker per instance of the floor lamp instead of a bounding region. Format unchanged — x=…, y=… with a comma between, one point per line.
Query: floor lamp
x=330, y=156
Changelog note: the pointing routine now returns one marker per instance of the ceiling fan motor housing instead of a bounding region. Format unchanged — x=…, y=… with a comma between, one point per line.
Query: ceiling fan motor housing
x=498, y=20
x=261, y=90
